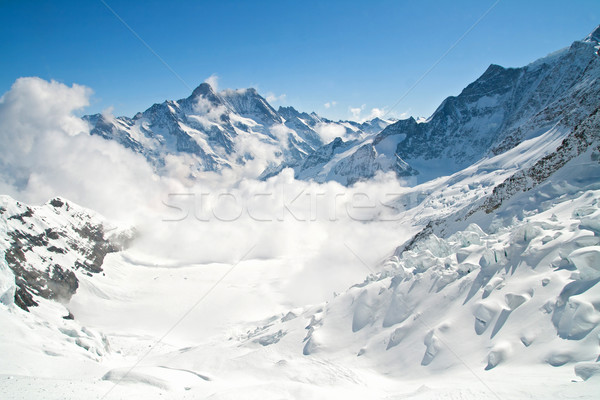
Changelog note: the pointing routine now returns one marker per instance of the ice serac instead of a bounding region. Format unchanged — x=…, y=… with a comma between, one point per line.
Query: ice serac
x=47, y=247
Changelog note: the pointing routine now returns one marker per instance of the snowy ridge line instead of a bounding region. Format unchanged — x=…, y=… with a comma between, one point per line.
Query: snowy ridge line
x=217, y=131
x=500, y=110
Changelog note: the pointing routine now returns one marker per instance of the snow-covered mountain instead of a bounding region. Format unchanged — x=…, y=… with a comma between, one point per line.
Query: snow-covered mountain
x=501, y=109
x=47, y=248
x=214, y=129
x=489, y=287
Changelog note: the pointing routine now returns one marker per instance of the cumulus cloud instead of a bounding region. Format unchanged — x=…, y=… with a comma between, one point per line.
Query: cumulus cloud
x=376, y=113
x=330, y=104
x=357, y=113
x=304, y=228
x=329, y=131
x=213, y=81
x=272, y=98
x=47, y=151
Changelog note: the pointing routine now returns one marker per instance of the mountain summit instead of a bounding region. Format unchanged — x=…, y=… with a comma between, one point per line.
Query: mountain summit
x=594, y=36
x=214, y=130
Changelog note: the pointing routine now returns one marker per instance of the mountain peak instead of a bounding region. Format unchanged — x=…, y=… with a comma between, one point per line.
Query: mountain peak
x=493, y=69
x=285, y=109
x=594, y=36
x=203, y=90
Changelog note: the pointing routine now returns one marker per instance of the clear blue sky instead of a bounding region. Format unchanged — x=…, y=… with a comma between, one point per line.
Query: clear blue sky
x=314, y=52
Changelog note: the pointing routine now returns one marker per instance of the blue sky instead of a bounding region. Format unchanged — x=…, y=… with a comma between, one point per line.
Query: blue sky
x=357, y=54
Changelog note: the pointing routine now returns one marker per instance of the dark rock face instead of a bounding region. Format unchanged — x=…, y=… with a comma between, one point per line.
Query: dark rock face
x=46, y=247
x=583, y=136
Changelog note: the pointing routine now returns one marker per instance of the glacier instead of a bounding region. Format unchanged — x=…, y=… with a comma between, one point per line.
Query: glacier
x=455, y=257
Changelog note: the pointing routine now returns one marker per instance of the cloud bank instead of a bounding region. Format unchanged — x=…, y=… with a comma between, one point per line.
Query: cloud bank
x=305, y=227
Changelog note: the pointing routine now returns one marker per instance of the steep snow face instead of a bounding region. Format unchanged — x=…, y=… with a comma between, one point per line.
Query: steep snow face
x=223, y=130
x=501, y=109
x=46, y=249
x=584, y=137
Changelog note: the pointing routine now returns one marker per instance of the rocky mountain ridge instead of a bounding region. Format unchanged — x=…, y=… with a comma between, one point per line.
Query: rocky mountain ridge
x=45, y=248
x=211, y=128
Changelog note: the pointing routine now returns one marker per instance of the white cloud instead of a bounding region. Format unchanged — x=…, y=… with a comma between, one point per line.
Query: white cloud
x=328, y=132
x=207, y=114
x=330, y=104
x=357, y=112
x=213, y=81
x=272, y=98
x=376, y=113
x=304, y=227
x=47, y=151
x=282, y=133
x=108, y=112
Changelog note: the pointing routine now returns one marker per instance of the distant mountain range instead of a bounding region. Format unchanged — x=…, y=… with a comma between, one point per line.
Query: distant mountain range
x=501, y=109
x=216, y=130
